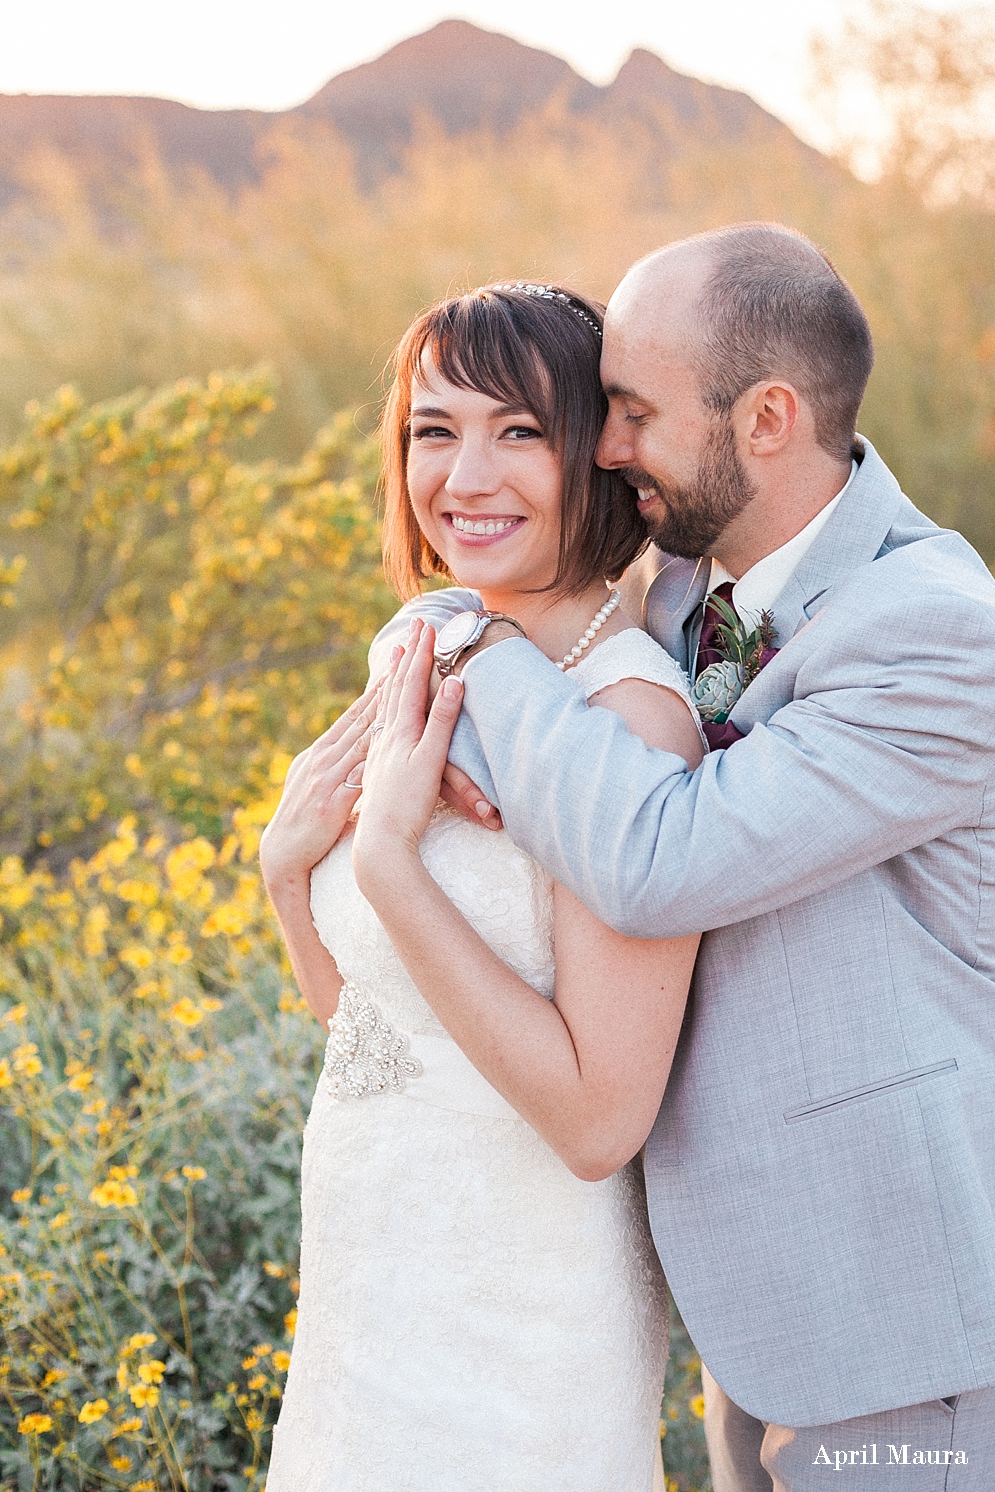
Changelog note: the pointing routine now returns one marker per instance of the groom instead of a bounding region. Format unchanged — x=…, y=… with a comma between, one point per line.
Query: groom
x=821, y=1177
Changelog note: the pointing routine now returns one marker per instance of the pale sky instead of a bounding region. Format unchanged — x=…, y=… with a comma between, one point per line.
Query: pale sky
x=270, y=54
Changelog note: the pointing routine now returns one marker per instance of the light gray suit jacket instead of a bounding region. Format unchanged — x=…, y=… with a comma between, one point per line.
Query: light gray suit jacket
x=821, y=1176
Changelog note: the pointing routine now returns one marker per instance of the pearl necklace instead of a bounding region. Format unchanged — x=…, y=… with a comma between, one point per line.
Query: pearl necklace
x=597, y=622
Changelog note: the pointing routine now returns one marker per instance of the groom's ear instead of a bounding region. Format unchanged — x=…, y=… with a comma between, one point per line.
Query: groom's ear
x=768, y=415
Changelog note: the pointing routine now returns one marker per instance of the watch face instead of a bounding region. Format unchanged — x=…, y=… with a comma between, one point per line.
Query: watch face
x=458, y=632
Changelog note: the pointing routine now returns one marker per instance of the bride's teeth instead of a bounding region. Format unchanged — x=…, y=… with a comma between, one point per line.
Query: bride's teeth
x=486, y=526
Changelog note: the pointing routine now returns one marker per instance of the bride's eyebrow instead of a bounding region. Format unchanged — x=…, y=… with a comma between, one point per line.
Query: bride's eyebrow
x=433, y=412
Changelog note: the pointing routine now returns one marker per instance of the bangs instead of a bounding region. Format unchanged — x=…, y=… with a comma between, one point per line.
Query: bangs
x=475, y=344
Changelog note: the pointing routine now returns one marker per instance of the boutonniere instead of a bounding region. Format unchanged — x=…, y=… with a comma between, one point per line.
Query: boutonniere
x=747, y=651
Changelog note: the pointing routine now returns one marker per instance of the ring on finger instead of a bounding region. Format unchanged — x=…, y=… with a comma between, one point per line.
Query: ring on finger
x=353, y=787
x=377, y=725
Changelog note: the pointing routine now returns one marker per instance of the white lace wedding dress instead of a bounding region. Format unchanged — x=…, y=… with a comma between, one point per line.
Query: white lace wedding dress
x=472, y=1318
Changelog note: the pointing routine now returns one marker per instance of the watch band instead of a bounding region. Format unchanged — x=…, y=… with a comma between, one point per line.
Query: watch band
x=446, y=662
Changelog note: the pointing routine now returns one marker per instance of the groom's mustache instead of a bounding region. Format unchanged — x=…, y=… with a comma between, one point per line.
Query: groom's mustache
x=637, y=477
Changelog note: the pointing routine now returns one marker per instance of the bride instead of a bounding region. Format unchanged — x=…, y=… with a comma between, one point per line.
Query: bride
x=481, y=1306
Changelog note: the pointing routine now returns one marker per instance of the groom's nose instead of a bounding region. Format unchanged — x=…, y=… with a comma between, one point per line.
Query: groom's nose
x=615, y=442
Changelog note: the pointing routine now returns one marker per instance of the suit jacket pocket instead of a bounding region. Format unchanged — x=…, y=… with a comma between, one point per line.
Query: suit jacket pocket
x=870, y=1090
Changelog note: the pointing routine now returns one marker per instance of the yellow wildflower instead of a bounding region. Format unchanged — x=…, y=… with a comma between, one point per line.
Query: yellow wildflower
x=195, y=854
x=156, y=923
x=179, y=953
x=254, y=1421
x=14, y=1016
x=697, y=1406
x=281, y=1361
x=275, y=1271
x=138, y=891
x=114, y=1194
x=257, y=1381
x=122, y=1375
x=126, y=1427
x=210, y=1005
x=26, y=1060
x=122, y=1173
x=93, y=1410
x=151, y=1372
x=23, y=1194
x=120, y=1463
x=137, y=1342
x=143, y=1394
x=54, y=1375
x=186, y=1013
x=59, y=1220
x=194, y=1173
x=263, y=1350
x=224, y=919
x=249, y=1362
x=143, y=1487
x=142, y=991
x=80, y=1081
x=6, y=1076
x=290, y=1322
x=35, y=1424
x=95, y=1106
x=136, y=956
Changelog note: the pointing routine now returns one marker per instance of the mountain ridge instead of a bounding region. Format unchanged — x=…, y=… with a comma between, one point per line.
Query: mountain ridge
x=459, y=75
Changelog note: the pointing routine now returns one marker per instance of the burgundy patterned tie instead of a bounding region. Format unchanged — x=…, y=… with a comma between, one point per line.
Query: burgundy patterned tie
x=709, y=652
x=708, y=649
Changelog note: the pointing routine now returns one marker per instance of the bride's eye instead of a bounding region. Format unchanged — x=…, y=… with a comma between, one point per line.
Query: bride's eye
x=430, y=432
x=523, y=433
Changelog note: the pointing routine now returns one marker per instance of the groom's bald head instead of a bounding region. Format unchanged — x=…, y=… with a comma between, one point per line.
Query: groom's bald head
x=746, y=304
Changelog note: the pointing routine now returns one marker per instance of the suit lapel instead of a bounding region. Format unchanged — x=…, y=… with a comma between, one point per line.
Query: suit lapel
x=852, y=537
x=672, y=607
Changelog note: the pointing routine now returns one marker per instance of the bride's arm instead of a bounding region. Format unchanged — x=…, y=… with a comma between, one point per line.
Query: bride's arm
x=587, y=1070
x=315, y=806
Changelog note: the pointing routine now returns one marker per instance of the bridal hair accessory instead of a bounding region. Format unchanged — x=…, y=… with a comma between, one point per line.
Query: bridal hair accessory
x=718, y=687
x=585, y=640
x=546, y=292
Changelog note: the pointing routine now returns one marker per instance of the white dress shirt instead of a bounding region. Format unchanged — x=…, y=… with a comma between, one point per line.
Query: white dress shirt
x=759, y=588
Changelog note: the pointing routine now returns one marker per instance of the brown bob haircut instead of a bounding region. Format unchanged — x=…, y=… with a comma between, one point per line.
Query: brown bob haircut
x=521, y=349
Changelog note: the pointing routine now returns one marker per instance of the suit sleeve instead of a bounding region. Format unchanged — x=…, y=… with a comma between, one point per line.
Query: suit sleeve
x=883, y=745
x=438, y=607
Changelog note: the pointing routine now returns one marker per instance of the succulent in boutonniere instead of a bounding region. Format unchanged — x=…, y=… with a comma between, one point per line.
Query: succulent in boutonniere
x=719, y=686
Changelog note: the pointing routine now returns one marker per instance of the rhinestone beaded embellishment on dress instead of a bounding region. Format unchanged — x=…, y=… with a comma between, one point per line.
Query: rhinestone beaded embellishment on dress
x=363, y=1055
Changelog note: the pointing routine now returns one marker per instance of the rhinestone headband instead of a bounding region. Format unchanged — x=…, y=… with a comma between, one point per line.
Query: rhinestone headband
x=546, y=292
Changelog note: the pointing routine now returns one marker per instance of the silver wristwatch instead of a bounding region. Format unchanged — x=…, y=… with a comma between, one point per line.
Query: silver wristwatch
x=463, y=632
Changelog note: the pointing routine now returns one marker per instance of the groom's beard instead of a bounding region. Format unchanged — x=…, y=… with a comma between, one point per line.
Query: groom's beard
x=696, y=515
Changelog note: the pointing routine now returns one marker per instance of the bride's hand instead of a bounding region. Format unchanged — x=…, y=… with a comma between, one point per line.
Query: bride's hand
x=320, y=792
x=403, y=774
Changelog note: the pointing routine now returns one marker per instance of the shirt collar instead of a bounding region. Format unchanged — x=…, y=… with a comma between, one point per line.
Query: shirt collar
x=759, y=588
